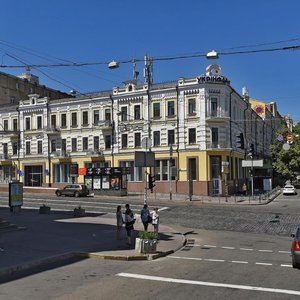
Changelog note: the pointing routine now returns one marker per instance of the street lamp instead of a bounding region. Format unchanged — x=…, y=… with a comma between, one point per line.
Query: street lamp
x=113, y=65
x=212, y=55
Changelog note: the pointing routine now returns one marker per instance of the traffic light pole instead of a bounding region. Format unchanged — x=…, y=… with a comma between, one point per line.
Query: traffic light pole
x=252, y=181
x=146, y=187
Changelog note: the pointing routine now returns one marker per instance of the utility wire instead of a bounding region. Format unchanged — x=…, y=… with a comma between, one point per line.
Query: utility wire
x=74, y=64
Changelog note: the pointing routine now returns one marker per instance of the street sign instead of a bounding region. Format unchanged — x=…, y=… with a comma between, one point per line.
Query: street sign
x=252, y=163
x=146, y=143
x=286, y=147
x=280, y=138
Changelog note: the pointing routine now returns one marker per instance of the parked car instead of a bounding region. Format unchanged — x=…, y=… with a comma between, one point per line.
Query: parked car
x=296, y=249
x=289, y=190
x=75, y=190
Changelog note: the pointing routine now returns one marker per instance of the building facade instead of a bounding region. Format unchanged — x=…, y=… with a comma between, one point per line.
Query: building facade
x=191, y=125
x=15, y=88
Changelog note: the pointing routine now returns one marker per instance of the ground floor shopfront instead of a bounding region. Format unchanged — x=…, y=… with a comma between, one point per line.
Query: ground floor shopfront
x=189, y=173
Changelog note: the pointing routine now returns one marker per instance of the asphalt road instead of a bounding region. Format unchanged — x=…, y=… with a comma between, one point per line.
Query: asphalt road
x=280, y=217
x=233, y=252
x=213, y=265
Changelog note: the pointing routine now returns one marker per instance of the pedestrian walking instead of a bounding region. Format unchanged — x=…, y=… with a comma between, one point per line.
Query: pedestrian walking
x=155, y=219
x=145, y=216
x=120, y=222
x=129, y=221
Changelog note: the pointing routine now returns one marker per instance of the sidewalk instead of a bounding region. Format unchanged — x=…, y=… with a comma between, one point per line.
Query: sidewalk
x=42, y=240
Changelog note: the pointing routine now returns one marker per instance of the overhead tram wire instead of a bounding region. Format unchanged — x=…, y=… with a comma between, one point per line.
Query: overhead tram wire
x=55, y=65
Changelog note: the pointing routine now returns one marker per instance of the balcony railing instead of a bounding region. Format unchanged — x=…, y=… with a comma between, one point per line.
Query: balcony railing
x=217, y=115
x=5, y=157
x=52, y=129
x=218, y=145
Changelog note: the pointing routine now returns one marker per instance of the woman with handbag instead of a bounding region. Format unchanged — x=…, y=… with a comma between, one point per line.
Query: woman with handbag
x=129, y=221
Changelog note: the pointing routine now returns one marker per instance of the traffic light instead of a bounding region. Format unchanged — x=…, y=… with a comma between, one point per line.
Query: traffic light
x=251, y=150
x=240, y=141
x=151, y=180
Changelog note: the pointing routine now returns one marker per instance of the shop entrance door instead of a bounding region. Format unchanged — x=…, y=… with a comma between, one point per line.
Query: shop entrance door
x=33, y=175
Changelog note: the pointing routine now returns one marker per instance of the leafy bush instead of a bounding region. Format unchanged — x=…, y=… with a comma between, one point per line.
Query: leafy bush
x=147, y=235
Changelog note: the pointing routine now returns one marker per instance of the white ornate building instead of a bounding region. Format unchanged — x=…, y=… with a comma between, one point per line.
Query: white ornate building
x=191, y=124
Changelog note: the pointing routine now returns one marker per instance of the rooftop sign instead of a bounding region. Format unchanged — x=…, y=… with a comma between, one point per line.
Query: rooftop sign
x=212, y=79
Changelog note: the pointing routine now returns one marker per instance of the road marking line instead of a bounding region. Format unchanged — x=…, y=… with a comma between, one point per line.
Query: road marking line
x=211, y=246
x=188, y=258
x=269, y=251
x=216, y=260
x=239, y=262
x=263, y=264
x=286, y=252
x=231, y=248
x=211, y=284
x=163, y=208
x=288, y=266
x=246, y=249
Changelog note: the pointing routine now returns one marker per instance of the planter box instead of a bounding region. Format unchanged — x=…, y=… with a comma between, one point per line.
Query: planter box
x=79, y=212
x=145, y=246
x=45, y=209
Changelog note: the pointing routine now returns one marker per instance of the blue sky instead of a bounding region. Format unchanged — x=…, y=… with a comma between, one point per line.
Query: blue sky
x=56, y=31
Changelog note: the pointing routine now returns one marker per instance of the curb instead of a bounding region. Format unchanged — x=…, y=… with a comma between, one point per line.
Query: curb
x=18, y=270
x=112, y=257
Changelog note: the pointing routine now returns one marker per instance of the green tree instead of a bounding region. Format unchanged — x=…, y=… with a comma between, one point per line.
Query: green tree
x=287, y=162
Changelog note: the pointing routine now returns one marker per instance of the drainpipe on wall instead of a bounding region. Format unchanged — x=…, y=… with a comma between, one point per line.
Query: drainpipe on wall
x=49, y=156
x=177, y=136
x=19, y=142
x=113, y=131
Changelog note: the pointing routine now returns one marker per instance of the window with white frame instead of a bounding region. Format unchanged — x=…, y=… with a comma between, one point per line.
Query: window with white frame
x=171, y=137
x=137, y=139
x=85, y=118
x=137, y=112
x=96, y=117
x=163, y=170
x=53, y=121
x=64, y=145
x=39, y=147
x=74, y=144
x=27, y=123
x=15, y=124
x=136, y=173
x=215, y=137
x=27, y=147
x=96, y=143
x=15, y=146
x=156, y=138
x=85, y=143
x=191, y=106
x=107, y=140
x=107, y=114
x=5, y=125
x=156, y=110
x=171, y=108
x=192, y=135
x=74, y=119
x=53, y=146
x=124, y=140
x=124, y=113
x=214, y=106
x=63, y=120
x=39, y=124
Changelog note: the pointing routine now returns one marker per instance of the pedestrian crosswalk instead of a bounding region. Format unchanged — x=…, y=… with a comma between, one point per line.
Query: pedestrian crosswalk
x=90, y=204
